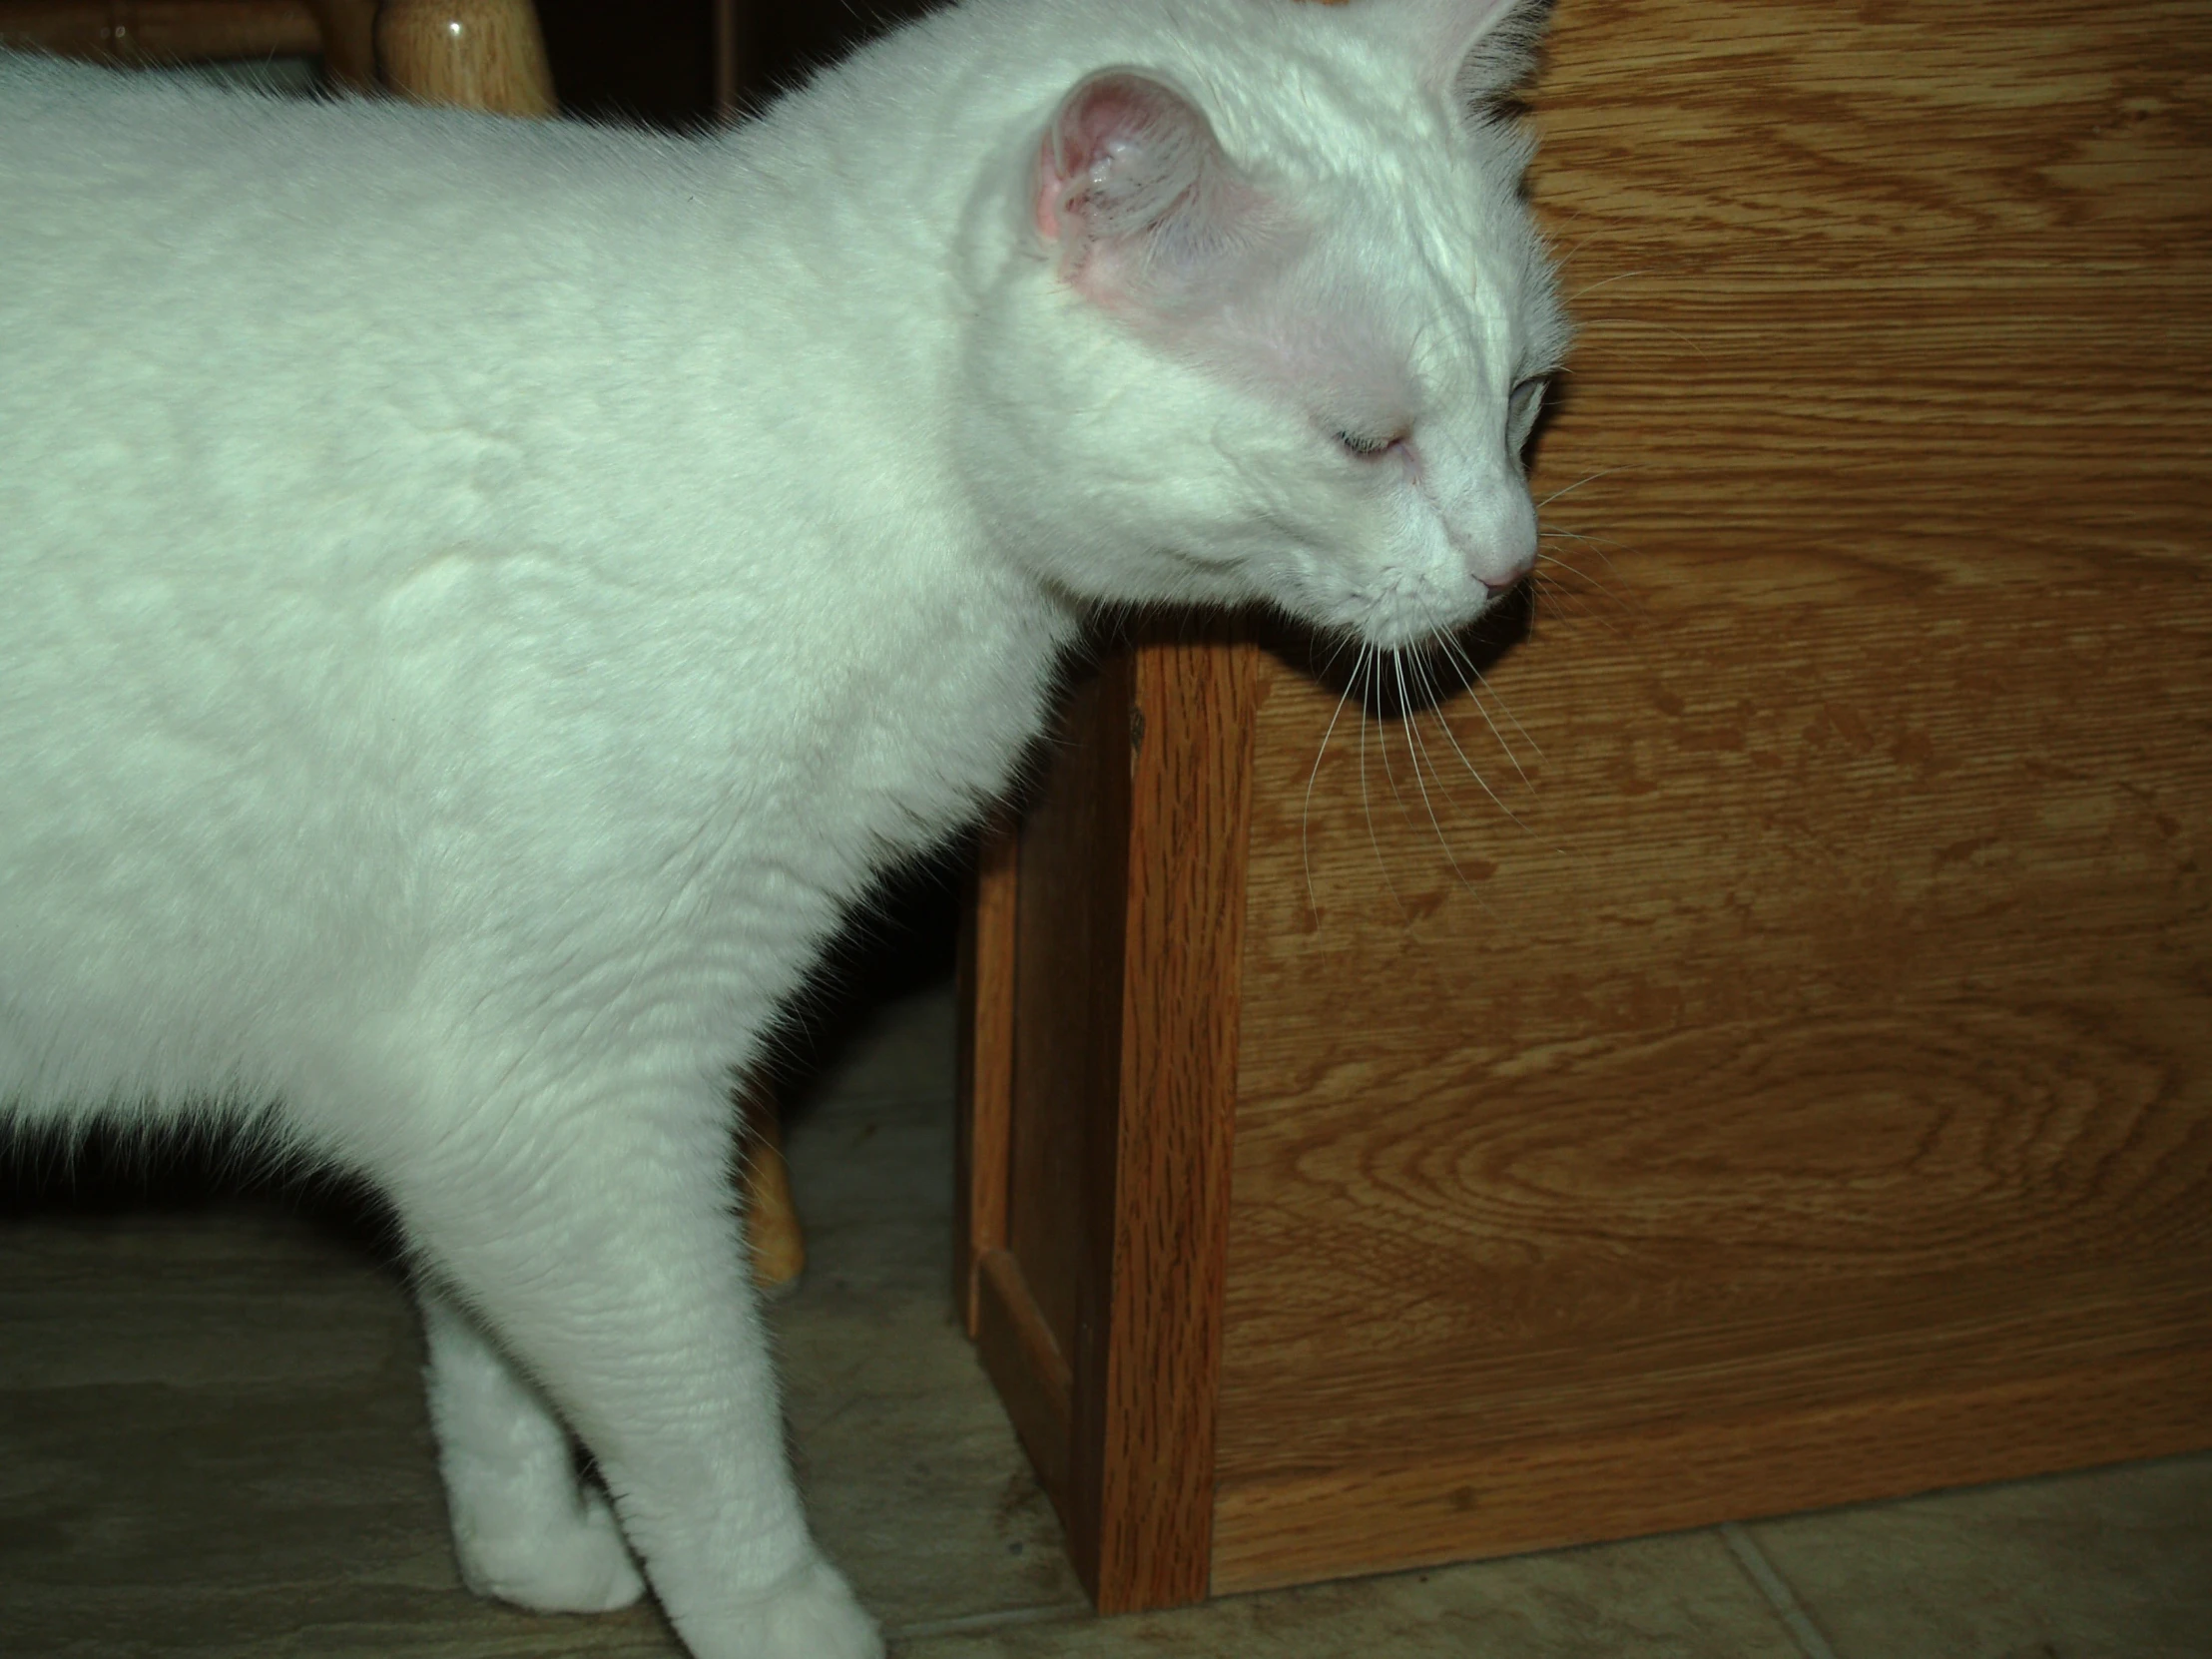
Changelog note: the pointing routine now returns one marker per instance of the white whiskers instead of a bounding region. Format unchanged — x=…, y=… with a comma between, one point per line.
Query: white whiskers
x=1403, y=685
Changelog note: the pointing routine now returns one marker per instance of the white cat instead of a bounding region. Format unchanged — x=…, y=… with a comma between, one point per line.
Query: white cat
x=477, y=598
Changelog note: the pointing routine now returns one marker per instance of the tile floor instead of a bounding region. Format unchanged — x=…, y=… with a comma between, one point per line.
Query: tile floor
x=211, y=1442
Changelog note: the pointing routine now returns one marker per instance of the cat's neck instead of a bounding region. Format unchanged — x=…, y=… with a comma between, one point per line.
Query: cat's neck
x=833, y=329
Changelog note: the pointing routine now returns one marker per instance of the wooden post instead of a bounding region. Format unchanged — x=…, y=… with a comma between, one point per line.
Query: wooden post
x=479, y=54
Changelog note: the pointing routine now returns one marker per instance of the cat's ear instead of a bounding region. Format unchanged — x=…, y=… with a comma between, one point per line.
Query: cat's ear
x=1133, y=188
x=1475, y=50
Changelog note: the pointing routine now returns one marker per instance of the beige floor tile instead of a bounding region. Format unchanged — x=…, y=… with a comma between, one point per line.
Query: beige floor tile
x=2107, y=1564
x=913, y=1477
x=1679, y=1597
x=902, y=1049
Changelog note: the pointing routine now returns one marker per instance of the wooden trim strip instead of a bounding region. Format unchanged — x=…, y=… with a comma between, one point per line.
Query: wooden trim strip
x=1150, y=1422
x=1511, y=1499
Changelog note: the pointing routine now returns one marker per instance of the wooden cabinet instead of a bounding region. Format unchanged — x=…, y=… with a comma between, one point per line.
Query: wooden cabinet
x=1786, y=1078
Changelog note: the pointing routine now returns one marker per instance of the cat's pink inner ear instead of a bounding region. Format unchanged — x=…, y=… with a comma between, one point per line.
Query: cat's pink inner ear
x=1133, y=186
x=1049, y=187
x=1113, y=155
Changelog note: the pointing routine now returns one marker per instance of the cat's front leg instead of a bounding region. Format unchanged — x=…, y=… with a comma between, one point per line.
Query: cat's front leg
x=595, y=1238
x=525, y=1528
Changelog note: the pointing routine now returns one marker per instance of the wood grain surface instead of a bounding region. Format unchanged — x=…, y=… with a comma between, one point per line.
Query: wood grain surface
x=1070, y=916
x=349, y=31
x=1152, y=1421
x=983, y=1060
x=1806, y=1091
x=479, y=54
x=1548, y=1488
x=1029, y=1367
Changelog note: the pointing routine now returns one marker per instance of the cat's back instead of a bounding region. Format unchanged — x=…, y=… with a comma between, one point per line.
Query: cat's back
x=90, y=156
x=154, y=224
x=349, y=330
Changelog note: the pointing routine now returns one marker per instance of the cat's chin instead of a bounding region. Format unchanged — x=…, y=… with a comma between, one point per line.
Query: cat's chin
x=1415, y=640
x=1399, y=636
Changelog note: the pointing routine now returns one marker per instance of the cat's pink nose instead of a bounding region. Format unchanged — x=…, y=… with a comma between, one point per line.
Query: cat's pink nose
x=1510, y=579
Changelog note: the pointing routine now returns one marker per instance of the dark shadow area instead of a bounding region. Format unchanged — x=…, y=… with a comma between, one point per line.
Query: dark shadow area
x=780, y=47
x=644, y=62
x=654, y=62
x=115, y=1167
x=898, y=940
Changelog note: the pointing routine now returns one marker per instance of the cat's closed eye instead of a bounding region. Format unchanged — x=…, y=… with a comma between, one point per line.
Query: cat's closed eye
x=1370, y=444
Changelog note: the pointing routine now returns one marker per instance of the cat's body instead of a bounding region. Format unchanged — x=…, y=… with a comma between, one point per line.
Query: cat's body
x=477, y=600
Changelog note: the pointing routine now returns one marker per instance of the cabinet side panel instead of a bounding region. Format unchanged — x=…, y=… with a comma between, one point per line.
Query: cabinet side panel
x=983, y=1087
x=1821, y=1052
x=1067, y=1003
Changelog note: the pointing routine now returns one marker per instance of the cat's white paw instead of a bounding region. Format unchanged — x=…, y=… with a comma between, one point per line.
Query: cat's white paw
x=809, y=1615
x=574, y=1562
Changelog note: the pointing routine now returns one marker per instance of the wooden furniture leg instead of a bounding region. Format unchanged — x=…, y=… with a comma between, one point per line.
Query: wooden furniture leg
x=479, y=54
x=771, y=1222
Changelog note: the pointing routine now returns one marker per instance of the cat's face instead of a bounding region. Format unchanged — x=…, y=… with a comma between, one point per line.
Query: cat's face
x=1283, y=333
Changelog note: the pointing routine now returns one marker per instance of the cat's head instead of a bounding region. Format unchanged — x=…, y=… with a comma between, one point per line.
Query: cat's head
x=1276, y=324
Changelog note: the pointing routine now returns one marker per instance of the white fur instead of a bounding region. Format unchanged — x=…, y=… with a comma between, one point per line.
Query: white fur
x=525, y=1528
x=477, y=598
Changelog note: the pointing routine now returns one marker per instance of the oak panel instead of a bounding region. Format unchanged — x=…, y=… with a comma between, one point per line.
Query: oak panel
x=1115, y=979
x=1067, y=973
x=1793, y=1057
